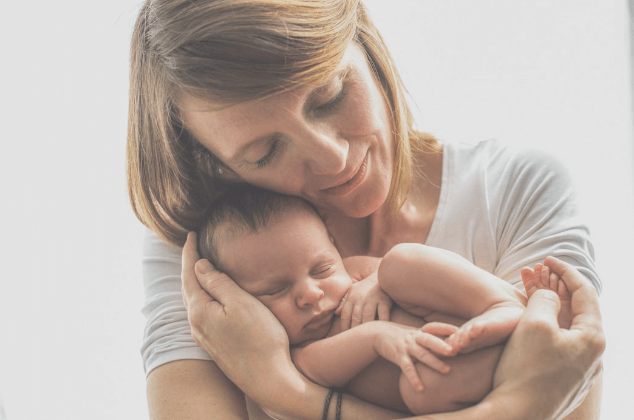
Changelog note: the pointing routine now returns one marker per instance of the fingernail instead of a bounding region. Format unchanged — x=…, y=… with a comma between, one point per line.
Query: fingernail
x=203, y=266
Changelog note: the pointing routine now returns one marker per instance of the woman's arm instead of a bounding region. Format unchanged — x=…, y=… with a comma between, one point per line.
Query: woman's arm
x=538, y=357
x=251, y=347
x=544, y=368
x=193, y=389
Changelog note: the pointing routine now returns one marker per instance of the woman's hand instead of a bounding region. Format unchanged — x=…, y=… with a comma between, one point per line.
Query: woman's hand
x=543, y=367
x=238, y=331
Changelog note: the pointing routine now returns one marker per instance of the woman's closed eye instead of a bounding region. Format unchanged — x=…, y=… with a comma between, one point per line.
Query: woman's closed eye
x=273, y=151
x=332, y=104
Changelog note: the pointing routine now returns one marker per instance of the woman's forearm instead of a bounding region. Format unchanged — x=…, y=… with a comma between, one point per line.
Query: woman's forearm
x=193, y=389
x=590, y=408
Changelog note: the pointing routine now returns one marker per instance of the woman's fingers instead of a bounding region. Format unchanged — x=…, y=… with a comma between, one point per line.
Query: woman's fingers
x=214, y=282
x=584, y=295
x=190, y=286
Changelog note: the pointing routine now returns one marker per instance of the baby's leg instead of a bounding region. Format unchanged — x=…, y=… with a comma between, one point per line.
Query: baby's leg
x=548, y=276
x=421, y=278
x=470, y=380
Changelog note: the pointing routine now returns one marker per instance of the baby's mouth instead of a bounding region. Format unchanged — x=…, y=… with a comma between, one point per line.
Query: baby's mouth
x=320, y=319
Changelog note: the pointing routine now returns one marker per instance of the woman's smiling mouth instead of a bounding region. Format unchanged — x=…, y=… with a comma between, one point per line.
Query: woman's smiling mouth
x=351, y=184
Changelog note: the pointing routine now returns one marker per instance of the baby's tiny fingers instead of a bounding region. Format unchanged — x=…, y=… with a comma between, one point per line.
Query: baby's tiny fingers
x=432, y=361
x=346, y=314
x=434, y=343
x=369, y=312
x=342, y=304
x=439, y=328
x=410, y=373
x=357, y=316
x=384, y=312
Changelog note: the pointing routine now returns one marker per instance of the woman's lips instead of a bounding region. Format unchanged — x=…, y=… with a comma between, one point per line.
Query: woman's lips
x=349, y=186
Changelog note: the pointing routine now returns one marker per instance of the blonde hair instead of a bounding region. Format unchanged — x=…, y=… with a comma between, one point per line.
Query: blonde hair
x=229, y=51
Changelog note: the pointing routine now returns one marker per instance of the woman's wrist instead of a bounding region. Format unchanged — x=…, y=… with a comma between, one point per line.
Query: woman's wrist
x=304, y=400
x=295, y=398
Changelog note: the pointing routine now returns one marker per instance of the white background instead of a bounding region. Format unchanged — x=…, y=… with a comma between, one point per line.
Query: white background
x=550, y=74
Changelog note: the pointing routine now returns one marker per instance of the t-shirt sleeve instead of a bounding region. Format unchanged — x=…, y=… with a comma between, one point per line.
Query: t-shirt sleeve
x=167, y=336
x=537, y=215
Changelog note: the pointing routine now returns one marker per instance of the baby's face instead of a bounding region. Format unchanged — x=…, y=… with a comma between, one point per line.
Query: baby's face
x=293, y=268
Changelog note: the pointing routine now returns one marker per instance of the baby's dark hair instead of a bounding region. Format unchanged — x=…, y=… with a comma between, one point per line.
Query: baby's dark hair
x=242, y=210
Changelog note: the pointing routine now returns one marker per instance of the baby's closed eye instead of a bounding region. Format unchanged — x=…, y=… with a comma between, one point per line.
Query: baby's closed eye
x=322, y=270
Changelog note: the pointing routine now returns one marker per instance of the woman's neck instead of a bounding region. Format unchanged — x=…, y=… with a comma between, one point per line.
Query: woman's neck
x=378, y=233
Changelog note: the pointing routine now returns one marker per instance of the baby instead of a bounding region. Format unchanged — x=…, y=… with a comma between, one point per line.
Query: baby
x=277, y=248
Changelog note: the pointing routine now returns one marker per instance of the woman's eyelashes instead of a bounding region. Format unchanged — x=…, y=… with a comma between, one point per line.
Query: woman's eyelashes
x=332, y=104
x=320, y=111
x=262, y=162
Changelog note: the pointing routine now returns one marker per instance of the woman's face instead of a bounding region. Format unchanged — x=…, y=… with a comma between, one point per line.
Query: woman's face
x=330, y=144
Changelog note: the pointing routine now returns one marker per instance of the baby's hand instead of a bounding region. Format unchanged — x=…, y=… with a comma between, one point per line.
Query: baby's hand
x=363, y=301
x=403, y=346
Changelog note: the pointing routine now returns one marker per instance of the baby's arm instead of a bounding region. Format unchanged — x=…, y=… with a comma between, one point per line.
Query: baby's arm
x=424, y=279
x=335, y=360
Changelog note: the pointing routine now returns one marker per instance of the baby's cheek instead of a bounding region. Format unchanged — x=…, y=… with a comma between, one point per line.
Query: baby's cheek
x=340, y=287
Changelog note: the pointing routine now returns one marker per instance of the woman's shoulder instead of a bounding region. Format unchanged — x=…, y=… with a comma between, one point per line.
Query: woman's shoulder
x=160, y=260
x=496, y=161
x=494, y=152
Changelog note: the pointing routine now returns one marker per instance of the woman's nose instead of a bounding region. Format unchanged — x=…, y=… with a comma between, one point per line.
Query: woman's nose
x=308, y=294
x=325, y=153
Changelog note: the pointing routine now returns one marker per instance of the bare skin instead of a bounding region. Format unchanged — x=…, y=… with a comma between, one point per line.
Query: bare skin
x=362, y=224
x=548, y=276
x=292, y=267
x=452, y=286
x=531, y=361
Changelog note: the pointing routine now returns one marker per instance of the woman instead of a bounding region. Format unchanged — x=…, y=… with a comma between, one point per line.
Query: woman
x=301, y=97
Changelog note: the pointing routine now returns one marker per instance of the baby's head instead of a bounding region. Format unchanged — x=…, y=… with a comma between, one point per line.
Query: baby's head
x=277, y=248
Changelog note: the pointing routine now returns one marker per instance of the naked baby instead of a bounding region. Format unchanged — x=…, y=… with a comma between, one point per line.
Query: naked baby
x=445, y=333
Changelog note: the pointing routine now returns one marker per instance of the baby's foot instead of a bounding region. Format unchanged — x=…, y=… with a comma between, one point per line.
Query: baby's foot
x=490, y=328
x=543, y=277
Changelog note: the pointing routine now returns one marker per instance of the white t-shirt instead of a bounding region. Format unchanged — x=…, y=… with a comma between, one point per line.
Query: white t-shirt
x=500, y=208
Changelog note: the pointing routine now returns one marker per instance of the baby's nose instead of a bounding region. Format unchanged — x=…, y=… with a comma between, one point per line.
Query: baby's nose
x=309, y=294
